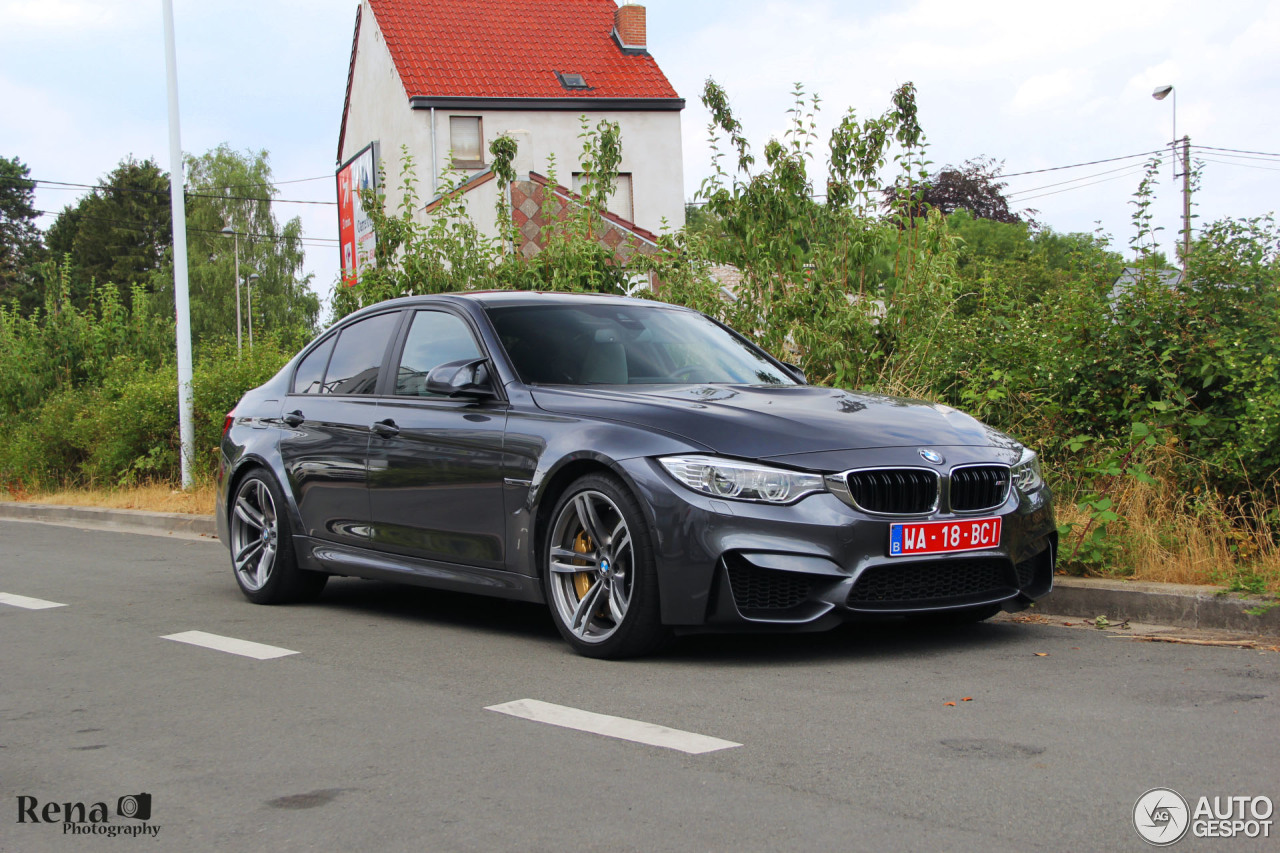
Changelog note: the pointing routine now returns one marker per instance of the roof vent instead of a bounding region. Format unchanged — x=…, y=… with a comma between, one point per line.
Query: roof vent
x=572, y=81
x=629, y=27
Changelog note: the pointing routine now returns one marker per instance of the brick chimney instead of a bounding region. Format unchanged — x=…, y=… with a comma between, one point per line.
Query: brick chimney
x=629, y=25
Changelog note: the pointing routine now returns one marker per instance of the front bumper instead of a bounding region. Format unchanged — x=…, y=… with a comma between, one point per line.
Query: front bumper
x=737, y=565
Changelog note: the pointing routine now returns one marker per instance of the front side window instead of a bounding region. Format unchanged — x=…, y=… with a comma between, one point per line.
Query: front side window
x=358, y=354
x=435, y=338
x=466, y=141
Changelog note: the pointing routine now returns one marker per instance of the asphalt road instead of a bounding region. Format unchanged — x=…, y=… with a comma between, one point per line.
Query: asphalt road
x=375, y=734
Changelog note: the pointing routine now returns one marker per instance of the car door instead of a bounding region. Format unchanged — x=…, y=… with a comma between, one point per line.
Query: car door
x=328, y=417
x=435, y=463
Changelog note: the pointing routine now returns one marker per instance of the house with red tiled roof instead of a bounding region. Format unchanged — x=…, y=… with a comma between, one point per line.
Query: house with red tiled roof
x=445, y=77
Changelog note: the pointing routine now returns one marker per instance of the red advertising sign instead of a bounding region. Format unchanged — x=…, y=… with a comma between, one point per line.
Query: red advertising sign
x=357, y=178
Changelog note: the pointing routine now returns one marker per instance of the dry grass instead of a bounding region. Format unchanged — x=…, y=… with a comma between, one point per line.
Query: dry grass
x=156, y=497
x=1173, y=537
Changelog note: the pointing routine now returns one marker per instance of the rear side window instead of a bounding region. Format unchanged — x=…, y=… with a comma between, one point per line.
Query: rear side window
x=310, y=376
x=435, y=338
x=357, y=356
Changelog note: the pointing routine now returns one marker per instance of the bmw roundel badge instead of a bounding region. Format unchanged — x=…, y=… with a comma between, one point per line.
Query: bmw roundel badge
x=931, y=456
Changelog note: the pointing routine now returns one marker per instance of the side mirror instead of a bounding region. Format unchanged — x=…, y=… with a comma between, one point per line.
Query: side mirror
x=796, y=372
x=466, y=378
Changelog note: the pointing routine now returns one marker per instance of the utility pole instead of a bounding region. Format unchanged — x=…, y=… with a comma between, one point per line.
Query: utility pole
x=1186, y=203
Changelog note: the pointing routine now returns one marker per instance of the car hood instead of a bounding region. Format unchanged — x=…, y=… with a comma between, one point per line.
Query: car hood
x=764, y=421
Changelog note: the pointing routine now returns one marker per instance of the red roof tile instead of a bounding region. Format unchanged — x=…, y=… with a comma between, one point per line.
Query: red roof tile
x=512, y=49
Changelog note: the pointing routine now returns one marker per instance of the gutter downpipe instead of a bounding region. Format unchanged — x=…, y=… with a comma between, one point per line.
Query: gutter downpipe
x=435, y=162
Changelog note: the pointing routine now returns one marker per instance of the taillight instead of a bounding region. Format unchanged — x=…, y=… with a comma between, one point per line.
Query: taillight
x=231, y=418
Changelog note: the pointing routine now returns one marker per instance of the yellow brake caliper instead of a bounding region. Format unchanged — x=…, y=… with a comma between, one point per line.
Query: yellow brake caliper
x=582, y=580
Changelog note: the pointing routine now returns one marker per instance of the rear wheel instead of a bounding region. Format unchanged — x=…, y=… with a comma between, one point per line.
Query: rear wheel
x=598, y=568
x=262, y=554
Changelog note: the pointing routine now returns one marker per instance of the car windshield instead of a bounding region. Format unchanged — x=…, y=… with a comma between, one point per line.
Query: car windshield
x=627, y=344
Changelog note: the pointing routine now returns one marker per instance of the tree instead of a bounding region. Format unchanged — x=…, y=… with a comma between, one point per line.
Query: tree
x=118, y=233
x=231, y=188
x=121, y=233
x=19, y=238
x=974, y=186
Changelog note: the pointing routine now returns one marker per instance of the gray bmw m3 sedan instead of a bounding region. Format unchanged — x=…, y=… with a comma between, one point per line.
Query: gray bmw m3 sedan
x=642, y=469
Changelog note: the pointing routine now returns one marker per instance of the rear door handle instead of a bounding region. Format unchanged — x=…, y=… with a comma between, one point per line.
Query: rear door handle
x=294, y=418
x=386, y=428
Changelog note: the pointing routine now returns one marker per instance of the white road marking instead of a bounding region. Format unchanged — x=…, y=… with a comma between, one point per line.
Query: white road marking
x=616, y=727
x=245, y=648
x=27, y=603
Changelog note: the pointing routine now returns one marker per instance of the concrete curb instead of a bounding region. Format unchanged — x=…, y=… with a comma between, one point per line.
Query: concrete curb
x=1180, y=605
x=1086, y=598
x=121, y=519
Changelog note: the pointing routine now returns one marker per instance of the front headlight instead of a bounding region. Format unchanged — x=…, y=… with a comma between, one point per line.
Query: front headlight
x=743, y=481
x=1026, y=472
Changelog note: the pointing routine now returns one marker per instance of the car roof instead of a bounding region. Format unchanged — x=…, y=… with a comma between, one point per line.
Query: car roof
x=512, y=298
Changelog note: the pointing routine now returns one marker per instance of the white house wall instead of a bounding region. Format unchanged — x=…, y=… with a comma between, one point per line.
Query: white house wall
x=379, y=111
x=650, y=152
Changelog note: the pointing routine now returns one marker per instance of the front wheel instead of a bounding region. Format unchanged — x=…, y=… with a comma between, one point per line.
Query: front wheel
x=262, y=553
x=598, y=568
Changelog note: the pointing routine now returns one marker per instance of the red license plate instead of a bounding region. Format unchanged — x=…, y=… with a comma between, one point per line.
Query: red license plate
x=943, y=537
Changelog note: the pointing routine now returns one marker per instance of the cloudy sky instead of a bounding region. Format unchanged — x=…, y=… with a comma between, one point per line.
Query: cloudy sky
x=1034, y=85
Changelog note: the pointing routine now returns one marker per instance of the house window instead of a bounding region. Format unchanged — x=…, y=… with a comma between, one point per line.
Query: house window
x=620, y=203
x=466, y=142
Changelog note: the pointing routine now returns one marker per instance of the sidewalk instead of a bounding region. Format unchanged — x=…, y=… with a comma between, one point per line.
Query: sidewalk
x=1203, y=607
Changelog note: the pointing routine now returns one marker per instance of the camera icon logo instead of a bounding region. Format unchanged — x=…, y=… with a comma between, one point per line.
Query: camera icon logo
x=136, y=806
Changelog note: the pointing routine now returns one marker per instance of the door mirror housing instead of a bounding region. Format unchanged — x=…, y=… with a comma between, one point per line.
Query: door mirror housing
x=469, y=377
x=796, y=372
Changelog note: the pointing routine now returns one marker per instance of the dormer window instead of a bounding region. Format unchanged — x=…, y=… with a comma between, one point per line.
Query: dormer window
x=572, y=81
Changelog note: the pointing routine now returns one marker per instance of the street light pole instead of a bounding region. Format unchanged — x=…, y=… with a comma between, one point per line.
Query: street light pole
x=181, y=296
x=236, y=234
x=1160, y=93
x=248, y=287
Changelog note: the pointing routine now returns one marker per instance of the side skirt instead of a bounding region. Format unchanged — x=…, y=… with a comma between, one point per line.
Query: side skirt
x=349, y=561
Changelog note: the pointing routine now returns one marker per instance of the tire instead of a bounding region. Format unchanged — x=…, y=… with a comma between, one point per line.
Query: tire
x=955, y=618
x=262, y=556
x=598, y=571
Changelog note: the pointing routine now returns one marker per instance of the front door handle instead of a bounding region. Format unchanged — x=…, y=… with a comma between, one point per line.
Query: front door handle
x=294, y=418
x=387, y=428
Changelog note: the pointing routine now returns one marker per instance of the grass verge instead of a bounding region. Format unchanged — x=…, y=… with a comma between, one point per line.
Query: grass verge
x=154, y=497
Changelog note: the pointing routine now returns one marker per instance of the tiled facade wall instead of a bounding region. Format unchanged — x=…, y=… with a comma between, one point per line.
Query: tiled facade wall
x=529, y=218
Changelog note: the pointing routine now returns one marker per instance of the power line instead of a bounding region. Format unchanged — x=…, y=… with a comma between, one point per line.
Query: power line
x=1241, y=165
x=1127, y=168
x=69, y=185
x=276, y=183
x=318, y=242
x=1237, y=150
x=1082, y=186
x=1079, y=165
x=1217, y=153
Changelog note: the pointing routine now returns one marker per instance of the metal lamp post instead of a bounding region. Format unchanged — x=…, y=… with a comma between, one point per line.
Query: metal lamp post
x=248, y=285
x=236, y=234
x=1160, y=93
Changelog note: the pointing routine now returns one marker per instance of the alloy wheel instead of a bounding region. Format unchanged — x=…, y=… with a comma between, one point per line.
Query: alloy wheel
x=255, y=534
x=592, y=564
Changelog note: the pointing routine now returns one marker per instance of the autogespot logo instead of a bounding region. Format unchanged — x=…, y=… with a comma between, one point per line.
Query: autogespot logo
x=1161, y=817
